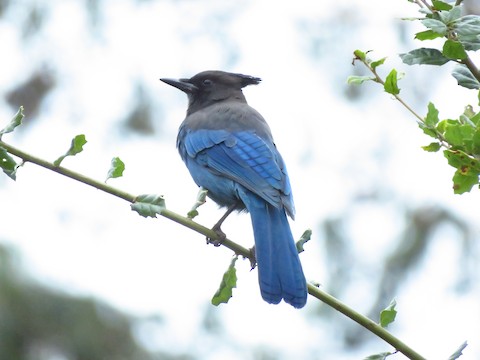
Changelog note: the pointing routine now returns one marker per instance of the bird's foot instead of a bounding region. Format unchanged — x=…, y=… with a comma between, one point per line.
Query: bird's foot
x=252, y=258
x=221, y=236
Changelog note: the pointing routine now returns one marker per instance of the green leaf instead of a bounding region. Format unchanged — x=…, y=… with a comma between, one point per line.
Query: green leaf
x=435, y=25
x=456, y=133
x=428, y=131
x=468, y=112
x=201, y=199
x=432, y=115
x=360, y=55
x=475, y=148
x=475, y=119
x=229, y=281
x=454, y=50
x=465, y=78
x=448, y=17
x=7, y=164
x=432, y=147
x=427, y=35
x=117, y=167
x=467, y=25
x=377, y=63
x=379, y=356
x=391, y=83
x=149, y=205
x=75, y=147
x=306, y=236
x=387, y=315
x=458, y=352
x=357, y=80
x=463, y=183
x=470, y=42
x=467, y=30
x=424, y=56
x=442, y=124
x=440, y=5
x=468, y=170
x=16, y=121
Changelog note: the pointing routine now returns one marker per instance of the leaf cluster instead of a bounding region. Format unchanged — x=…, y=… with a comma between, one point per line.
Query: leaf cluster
x=459, y=33
x=459, y=138
x=10, y=166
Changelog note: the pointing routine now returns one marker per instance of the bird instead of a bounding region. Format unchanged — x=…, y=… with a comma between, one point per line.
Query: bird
x=229, y=150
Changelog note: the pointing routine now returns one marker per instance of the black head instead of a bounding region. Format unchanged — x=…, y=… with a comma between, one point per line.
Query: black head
x=212, y=86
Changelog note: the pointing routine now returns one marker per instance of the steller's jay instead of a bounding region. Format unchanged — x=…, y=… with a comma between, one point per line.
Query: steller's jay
x=229, y=150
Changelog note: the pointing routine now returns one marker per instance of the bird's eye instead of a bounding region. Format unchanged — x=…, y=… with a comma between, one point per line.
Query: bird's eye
x=207, y=82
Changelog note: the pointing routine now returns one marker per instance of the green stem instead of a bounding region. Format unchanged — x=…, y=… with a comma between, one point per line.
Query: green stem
x=381, y=81
x=472, y=67
x=236, y=248
x=365, y=322
x=420, y=120
x=185, y=221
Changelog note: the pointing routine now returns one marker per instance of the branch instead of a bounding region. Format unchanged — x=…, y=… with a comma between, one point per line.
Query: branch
x=236, y=248
x=367, y=323
x=424, y=4
x=185, y=221
x=379, y=80
x=472, y=67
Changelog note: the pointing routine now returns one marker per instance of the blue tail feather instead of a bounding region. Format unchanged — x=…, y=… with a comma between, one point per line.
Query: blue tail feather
x=279, y=269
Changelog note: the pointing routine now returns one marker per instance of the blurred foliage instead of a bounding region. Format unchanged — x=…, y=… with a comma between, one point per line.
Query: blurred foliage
x=472, y=7
x=140, y=119
x=38, y=323
x=32, y=92
x=418, y=231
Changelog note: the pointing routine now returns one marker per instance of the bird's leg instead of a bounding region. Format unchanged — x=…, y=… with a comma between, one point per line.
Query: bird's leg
x=253, y=259
x=217, y=227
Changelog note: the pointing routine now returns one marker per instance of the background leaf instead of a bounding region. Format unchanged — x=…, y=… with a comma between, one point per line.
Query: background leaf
x=458, y=352
x=465, y=78
x=229, y=281
x=391, y=86
x=379, y=356
x=435, y=25
x=149, y=205
x=377, y=63
x=424, y=56
x=306, y=236
x=8, y=165
x=357, y=80
x=432, y=115
x=427, y=35
x=117, y=167
x=432, y=147
x=454, y=50
x=75, y=147
x=387, y=315
x=440, y=5
x=16, y=121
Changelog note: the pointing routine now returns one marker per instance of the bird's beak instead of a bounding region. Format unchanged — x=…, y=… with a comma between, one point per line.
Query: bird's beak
x=181, y=84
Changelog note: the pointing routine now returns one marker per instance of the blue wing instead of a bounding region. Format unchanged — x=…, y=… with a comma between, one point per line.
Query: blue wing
x=245, y=158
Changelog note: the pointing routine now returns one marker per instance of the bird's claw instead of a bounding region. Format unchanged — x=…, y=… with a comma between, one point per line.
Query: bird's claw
x=252, y=258
x=221, y=236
